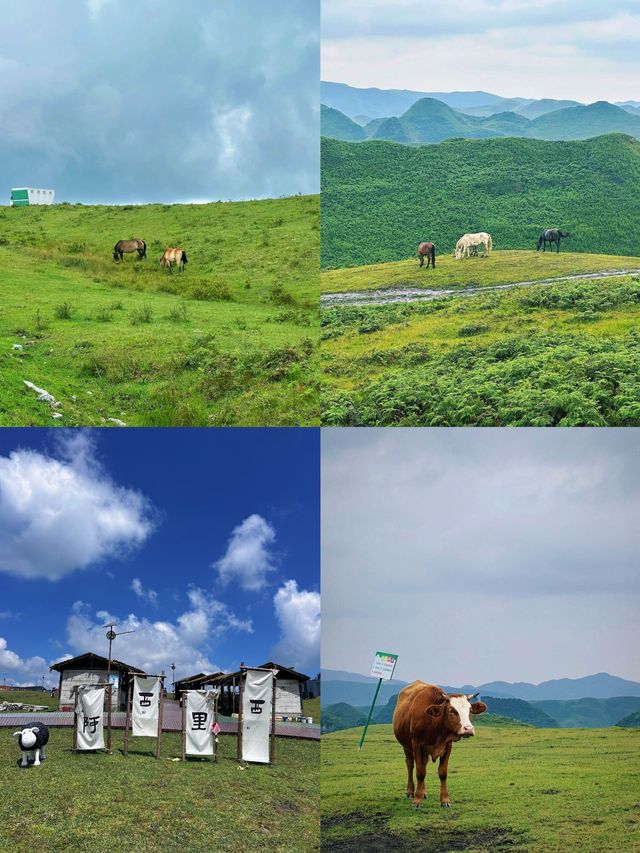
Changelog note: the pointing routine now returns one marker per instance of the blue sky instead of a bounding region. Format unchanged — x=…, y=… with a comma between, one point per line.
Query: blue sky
x=583, y=50
x=204, y=541
x=113, y=101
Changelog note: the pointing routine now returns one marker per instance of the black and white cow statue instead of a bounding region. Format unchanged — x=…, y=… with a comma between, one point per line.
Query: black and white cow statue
x=31, y=741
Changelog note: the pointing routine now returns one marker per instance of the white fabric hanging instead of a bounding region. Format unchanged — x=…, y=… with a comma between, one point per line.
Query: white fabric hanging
x=256, y=715
x=145, y=706
x=199, y=720
x=89, y=717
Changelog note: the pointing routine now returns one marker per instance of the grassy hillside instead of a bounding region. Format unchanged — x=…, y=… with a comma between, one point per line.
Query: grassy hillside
x=29, y=697
x=567, y=354
x=579, y=713
x=337, y=125
x=342, y=716
x=380, y=199
x=630, y=721
x=512, y=788
x=98, y=802
x=231, y=341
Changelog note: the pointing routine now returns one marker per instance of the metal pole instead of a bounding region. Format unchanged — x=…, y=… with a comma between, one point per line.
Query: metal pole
x=109, y=699
x=364, y=731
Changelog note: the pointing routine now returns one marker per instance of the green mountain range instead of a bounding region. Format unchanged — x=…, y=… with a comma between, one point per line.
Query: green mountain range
x=430, y=120
x=380, y=199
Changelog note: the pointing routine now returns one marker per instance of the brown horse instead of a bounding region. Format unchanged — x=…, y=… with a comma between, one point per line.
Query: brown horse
x=134, y=245
x=173, y=256
x=428, y=251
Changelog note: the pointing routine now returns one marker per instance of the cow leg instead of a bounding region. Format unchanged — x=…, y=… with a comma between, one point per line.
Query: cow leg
x=443, y=767
x=408, y=757
x=421, y=759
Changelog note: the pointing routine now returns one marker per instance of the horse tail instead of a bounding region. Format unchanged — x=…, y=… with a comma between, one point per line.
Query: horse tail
x=115, y=251
x=144, y=249
x=489, y=244
x=433, y=256
x=184, y=257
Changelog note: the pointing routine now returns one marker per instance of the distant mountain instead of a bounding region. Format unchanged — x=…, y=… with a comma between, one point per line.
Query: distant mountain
x=381, y=103
x=341, y=716
x=336, y=125
x=585, y=122
x=589, y=713
x=631, y=721
x=529, y=109
x=513, y=709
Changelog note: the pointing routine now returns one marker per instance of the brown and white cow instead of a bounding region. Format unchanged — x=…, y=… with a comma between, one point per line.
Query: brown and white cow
x=426, y=723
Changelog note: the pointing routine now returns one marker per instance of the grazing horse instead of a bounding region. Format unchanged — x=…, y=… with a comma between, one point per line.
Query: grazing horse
x=551, y=236
x=468, y=242
x=428, y=251
x=123, y=246
x=173, y=256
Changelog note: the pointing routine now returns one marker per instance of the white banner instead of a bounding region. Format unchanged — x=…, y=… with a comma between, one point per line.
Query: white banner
x=199, y=719
x=145, y=706
x=89, y=718
x=256, y=715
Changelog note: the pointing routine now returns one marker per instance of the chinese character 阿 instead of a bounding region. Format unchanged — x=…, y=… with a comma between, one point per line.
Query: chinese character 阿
x=199, y=720
x=255, y=705
x=91, y=723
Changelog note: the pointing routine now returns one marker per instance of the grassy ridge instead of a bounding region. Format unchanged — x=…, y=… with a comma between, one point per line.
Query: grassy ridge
x=229, y=342
x=380, y=199
x=567, y=354
x=512, y=787
x=98, y=802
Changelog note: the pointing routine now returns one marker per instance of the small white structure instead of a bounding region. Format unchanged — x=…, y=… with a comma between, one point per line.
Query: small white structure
x=23, y=196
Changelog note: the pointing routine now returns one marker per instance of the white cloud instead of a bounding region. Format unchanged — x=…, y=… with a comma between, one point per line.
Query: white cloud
x=248, y=559
x=149, y=595
x=61, y=513
x=155, y=645
x=19, y=670
x=298, y=614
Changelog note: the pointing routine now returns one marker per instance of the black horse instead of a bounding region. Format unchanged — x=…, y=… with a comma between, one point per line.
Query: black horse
x=551, y=236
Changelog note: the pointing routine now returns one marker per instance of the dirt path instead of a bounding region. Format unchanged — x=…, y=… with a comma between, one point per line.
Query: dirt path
x=390, y=295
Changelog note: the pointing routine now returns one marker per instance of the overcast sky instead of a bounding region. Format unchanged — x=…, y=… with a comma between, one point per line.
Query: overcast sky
x=584, y=50
x=155, y=100
x=482, y=554
x=203, y=542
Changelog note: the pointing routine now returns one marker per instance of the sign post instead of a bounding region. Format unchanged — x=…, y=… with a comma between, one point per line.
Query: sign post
x=383, y=667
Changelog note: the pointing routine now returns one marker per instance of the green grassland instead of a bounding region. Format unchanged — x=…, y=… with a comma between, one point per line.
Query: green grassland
x=103, y=803
x=30, y=697
x=231, y=341
x=380, y=199
x=501, y=267
x=513, y=788
x=566, y=354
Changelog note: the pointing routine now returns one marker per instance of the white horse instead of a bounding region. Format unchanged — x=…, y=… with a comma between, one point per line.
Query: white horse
x=464, y=244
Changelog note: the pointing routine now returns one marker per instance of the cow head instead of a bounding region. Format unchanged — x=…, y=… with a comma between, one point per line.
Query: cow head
x=455, y=713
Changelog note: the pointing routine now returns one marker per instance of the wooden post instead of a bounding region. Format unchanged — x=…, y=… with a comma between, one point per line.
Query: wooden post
x=160, y=708
x=75, y=718
x=127, y=722
x=216, y=739
x=272, y=745
x=183, y=695
x=239, y=748
x=109, y=700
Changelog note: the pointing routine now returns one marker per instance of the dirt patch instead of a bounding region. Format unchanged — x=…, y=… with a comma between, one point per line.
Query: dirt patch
x=376, y=838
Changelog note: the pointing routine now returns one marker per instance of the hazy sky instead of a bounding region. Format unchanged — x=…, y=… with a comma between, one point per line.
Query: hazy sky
x=482, y=554
x=155, y=100
x=584, y=50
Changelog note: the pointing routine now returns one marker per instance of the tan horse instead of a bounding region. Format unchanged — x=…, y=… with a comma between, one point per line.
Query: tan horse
x=173, y=256
x=466, y=243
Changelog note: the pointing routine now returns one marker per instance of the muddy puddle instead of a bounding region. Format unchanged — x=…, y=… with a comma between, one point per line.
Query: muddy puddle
x=392, y=295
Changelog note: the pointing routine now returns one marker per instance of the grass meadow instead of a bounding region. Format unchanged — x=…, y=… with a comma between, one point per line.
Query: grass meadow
x=513, y=788
x=565, y=354
x=231, y=341
x=101, y=803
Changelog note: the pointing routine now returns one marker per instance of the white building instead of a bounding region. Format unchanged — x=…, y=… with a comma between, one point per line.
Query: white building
x=22, y=196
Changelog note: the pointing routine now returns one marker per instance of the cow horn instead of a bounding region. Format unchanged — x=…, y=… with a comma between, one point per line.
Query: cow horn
x=445, y=695
x=473, y=695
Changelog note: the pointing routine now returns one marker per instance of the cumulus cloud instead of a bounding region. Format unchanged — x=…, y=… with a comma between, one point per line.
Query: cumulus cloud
x=249, y=558
x=149, y=595
x=298, y=614
x=61, y=513
x=21, y=670
x=155, y=644
x=136, y=103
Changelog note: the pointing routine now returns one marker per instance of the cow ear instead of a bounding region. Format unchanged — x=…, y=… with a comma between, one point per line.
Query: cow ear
x=478, y=708
x=434, y=710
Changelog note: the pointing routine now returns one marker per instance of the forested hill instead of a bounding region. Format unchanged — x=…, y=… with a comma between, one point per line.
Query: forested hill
x=380, y=199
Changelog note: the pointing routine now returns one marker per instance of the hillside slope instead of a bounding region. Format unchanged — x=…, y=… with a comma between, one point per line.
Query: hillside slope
x=380, y=199
x=589, y=713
